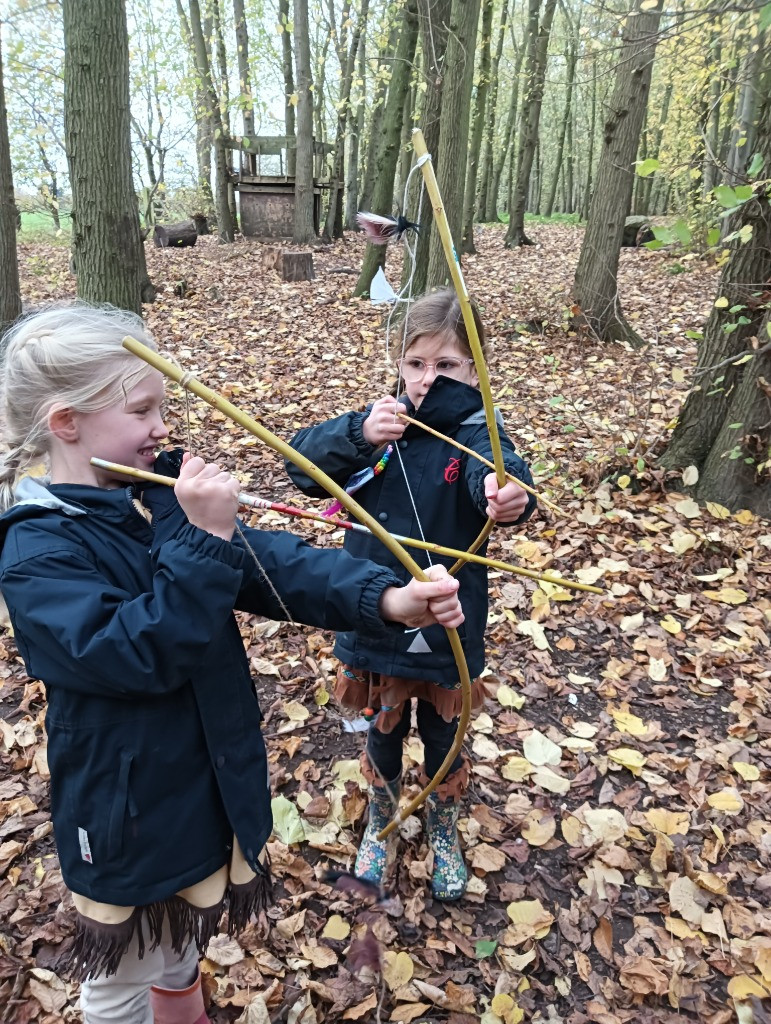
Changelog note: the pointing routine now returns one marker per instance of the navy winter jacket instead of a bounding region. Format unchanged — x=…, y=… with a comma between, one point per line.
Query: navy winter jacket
x=448, y=490
x=154, y=741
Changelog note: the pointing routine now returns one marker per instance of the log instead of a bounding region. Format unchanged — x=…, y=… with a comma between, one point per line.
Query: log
x=296, y=266
x=175, y=235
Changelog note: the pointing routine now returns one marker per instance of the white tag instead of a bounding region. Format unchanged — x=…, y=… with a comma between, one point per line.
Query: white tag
x=85, y=846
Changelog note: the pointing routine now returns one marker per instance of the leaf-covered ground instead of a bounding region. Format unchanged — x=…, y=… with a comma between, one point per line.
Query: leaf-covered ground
x=618, y=825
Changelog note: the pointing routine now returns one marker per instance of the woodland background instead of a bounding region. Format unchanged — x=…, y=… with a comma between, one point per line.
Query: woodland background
x=618, y=827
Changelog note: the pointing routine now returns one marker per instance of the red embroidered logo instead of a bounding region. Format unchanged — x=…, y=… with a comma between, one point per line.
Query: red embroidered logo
x=452, y=471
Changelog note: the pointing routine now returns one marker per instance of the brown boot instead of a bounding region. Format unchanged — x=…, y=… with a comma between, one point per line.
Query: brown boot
x=179, y=1005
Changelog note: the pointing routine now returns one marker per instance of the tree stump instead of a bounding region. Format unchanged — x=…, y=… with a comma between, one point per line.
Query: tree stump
x=175, y=235
x=637, y=231
x=296, y=266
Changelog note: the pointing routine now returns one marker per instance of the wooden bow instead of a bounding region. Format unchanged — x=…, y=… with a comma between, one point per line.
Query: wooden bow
x=186, y=380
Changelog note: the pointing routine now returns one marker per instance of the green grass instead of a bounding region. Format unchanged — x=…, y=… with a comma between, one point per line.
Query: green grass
x=39, y=227
x=536, y=218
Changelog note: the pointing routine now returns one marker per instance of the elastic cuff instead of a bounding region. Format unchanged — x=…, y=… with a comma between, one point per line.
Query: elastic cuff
x=372, y=622
x=356, y=433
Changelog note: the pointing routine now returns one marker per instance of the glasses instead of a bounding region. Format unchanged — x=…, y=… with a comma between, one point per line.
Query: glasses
x=413, y=369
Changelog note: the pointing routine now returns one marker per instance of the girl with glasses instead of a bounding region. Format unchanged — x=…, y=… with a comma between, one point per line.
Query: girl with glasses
x=418, y=486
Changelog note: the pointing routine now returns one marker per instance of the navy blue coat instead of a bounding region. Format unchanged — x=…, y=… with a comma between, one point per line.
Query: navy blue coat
x=154, y=741
x=448, y=490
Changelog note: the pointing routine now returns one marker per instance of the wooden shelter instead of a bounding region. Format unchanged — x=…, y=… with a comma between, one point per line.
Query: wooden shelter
x=266, y=200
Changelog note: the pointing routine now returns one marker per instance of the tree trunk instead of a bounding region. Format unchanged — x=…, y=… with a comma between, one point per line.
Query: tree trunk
x=347, y=59
x=570, y=74
x=10, y=293
x=304, y=225
x=225, y=224
x=434, y=18
x=654, y=150
x=475, y=144
x=355, y=132
x=741, y=146
x=535, y=74
x=595, y=288
x=491, y=212
x=587, y=198
x=287, y=66
x=377, y=116
x=486, y=163
x=245, y=99
x=108, y=253
x=724, y=427
x=383, y=194
x=453, y=131
x=203, y=127
x=712, y=139
x=222, y=89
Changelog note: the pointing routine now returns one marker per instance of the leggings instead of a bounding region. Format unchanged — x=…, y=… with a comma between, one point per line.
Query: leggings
x=385, y=748
x=124, y=997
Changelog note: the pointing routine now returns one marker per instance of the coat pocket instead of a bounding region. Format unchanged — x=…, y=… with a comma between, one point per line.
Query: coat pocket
x=120, y=804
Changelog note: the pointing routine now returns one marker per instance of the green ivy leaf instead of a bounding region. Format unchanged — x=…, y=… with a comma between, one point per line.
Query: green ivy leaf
x=646, y=167
x=756, y=164
x=682, y=232
x=485, y=947
x=725, y=195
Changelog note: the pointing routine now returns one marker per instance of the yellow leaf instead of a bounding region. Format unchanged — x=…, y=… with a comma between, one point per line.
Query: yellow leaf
x=531, y=916
x=688, y=508
x=539, y=749
x=749, y=772
x=628, y=758
x=682, y=541
x=743, y=986
x=627, y=722
x=745, y=517
x=501, y=1004
x=605, y=824
x=336, y=928
x=509, y=698
x=321, y=696
x=624, y=481
x=727, y=595
x=727, y=800
x=536, y=632
x=539, y=826
x=397, y=969
x=670, y=624
x=718, y=511
x=294, y=99
x=671, y=823
x=548, y=779
x=295, y=711
x=721, y=303
x=690, y=476
x=516, y=769
x=678, y=375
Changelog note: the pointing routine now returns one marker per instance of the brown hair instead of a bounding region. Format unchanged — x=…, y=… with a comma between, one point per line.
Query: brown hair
x=439, y=312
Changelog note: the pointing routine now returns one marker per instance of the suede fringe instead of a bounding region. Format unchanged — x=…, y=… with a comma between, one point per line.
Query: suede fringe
x=98, y=948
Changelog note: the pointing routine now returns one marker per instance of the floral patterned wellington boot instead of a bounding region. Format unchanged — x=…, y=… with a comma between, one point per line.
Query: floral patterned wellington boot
x=372, y=858
x=448, y=882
